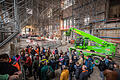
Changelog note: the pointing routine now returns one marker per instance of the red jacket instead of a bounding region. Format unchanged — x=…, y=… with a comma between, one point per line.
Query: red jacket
x=28, y=61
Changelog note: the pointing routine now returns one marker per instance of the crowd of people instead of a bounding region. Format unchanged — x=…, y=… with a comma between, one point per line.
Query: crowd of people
x=42, y=64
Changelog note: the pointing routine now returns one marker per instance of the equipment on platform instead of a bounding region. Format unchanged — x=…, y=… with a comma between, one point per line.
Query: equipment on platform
x=97, y=49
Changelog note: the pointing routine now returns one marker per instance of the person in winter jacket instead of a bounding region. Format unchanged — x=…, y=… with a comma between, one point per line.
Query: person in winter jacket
x=33, y=52
x=35, y=67
x=6, y=67
x=44, y=70
x=111, y=64
x=110, y=75
x=57, y=60
x=78, y=70
x=71, y=69
x=66, y=59
x=37, y=50
x=28, y=63
x=56, y=51
x=38, y=47
x=65, y=73
x=49, y=50
x=80, y=60
x=17, y=57
x=73, y=54
x=84, y=74
x=7, y=77
x=15, y=64
x=107, y=61
x=116, y=68
x=61, y=53
x=68, y=52
x=61, y=61
x=52, y=63
x=82, y=54
x=43, y=51
x=44, y=60
x=102, y=67
x=88, y=64
x=75, y=59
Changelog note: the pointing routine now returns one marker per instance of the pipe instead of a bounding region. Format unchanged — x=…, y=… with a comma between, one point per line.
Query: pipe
x=108, y=28
x=109, y=37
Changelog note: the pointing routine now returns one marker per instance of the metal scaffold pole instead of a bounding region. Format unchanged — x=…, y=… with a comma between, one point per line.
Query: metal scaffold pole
x=16, y=16
x=72, y=16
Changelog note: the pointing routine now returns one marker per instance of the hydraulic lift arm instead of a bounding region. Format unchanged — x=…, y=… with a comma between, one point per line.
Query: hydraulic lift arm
x=91, y=37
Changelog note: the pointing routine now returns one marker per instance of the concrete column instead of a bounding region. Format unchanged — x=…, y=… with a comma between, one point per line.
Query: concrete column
x=14, y=47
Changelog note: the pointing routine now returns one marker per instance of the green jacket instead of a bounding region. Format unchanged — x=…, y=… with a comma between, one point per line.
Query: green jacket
x=44, y=72
x=4, y=77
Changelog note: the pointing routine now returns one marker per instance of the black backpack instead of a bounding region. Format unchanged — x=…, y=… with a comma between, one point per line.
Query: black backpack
x=111, y=66
x=77, y=71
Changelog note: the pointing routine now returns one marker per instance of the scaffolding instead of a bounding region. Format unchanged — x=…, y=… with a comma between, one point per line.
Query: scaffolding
x=93, y=15
x=47, y=17
x=14, y=14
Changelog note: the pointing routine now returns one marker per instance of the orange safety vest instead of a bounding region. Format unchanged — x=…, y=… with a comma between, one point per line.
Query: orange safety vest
x=16, y=65
x=85, y=71
x=10, y=60
x=37, y=51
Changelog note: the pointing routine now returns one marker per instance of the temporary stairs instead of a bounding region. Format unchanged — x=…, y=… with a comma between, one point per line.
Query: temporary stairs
x=13, y=15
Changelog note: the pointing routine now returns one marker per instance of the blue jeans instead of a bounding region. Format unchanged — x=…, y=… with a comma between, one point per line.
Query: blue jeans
x=102, y=75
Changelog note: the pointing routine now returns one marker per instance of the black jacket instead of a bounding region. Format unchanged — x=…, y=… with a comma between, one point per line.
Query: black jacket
x=33, y=52
x=102, y=65
x=66, y=58
x=7, y=68
x=111, y=65
x=71, y=67
x=84, y=75
x=78, y=70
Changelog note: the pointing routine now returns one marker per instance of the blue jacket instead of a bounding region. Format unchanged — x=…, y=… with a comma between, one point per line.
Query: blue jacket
x=107, y=62
x=88, y=63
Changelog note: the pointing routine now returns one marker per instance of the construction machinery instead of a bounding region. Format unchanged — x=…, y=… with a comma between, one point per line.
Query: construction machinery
x=91, y=45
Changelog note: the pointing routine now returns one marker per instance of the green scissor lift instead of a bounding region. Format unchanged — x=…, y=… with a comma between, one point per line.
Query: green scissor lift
x=101, y=48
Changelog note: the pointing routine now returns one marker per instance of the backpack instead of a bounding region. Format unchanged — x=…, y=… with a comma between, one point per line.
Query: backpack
x=111, y=66
x=102, y=65
x=77, y=71
x=49, y=73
